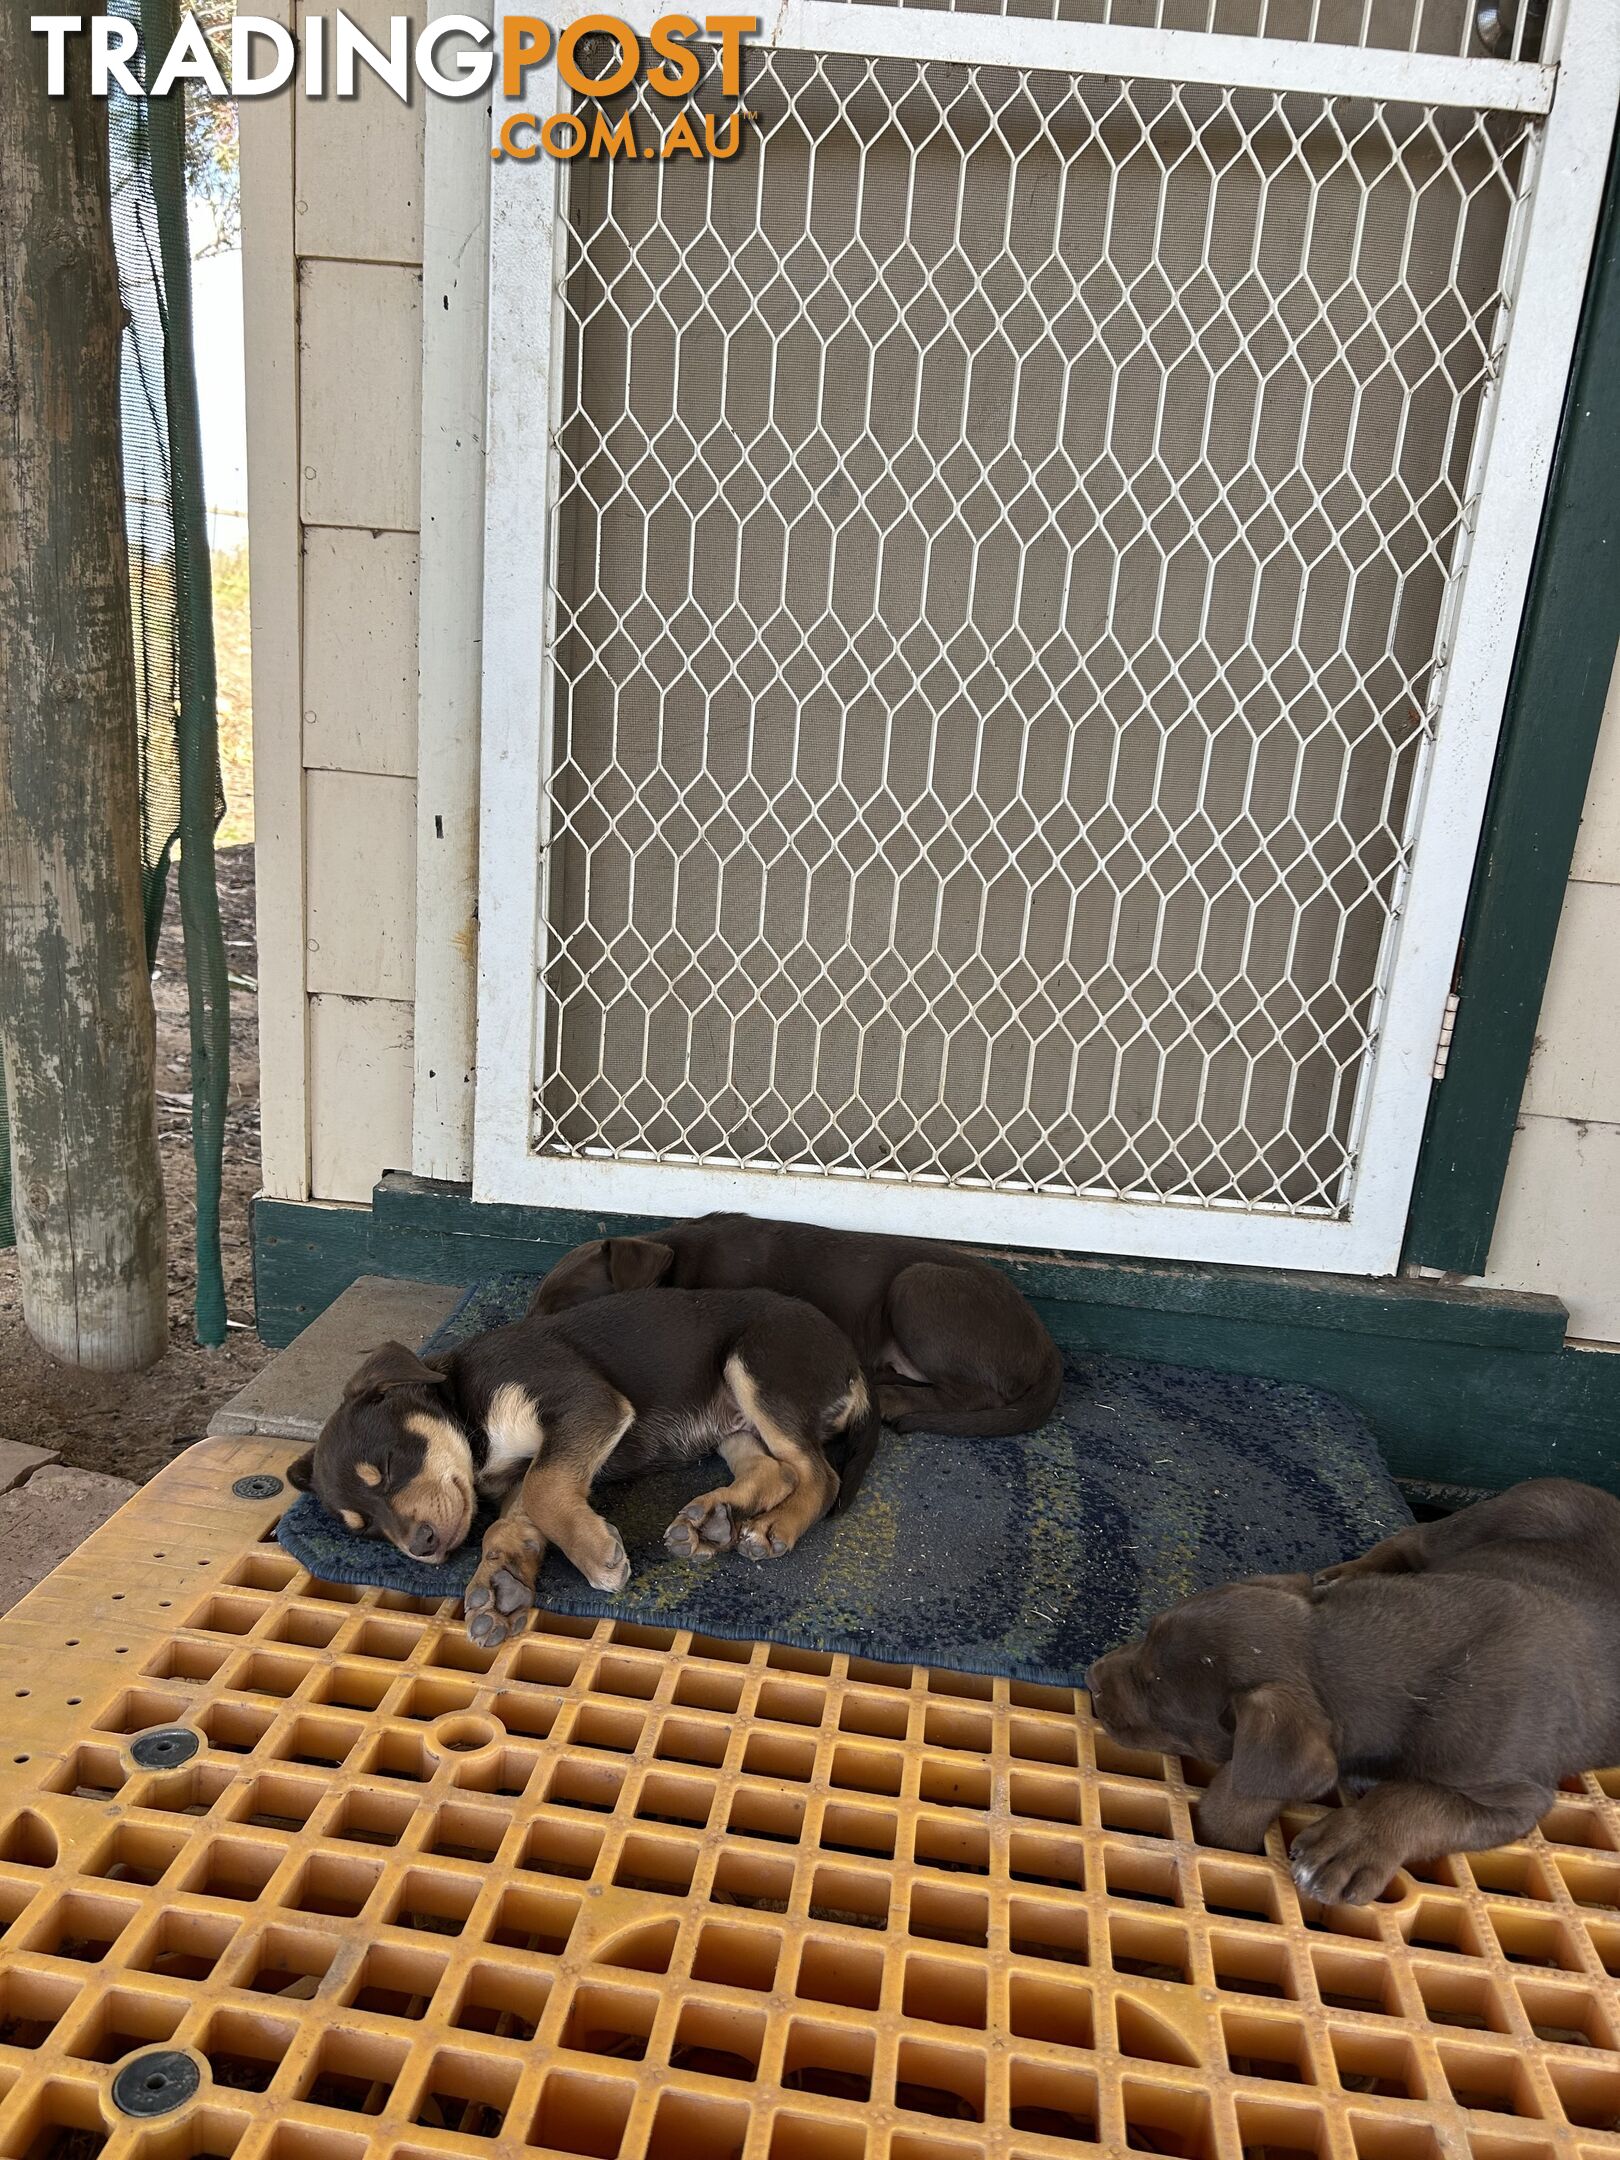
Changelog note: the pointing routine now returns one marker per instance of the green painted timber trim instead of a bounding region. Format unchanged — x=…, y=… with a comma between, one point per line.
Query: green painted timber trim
x=438, y=1224
x=1461, y=1387
x=1555, y=705
x=305, y=1253
x=402, y=1202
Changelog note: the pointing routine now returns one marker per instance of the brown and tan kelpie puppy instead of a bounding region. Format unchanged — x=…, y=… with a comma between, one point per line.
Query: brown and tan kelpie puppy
x=1451, y=1676
x=951, y=1344
x=534, y=1412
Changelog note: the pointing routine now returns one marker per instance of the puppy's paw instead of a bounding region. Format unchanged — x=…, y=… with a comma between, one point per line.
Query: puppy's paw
x=1341, y=1860
x=704, y=1527
x=764, y=1538
x=610, y=1570
x=497, y=1603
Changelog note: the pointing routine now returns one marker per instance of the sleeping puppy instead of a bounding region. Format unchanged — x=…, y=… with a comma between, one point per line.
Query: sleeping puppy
x=532, y=1413
x=1451, y=1677
x=952, y=1345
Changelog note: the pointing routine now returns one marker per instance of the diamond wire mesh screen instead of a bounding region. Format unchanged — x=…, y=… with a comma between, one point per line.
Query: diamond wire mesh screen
x=1003, y=531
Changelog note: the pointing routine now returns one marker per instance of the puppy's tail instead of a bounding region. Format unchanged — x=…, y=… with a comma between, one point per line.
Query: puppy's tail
x=1023, y=1414
x=850, y=1452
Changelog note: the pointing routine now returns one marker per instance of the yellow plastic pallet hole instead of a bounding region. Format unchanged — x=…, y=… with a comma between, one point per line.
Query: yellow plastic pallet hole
x=617, y=1891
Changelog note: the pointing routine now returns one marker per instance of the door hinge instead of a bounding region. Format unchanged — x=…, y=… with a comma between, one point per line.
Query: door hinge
x=1448, y=1027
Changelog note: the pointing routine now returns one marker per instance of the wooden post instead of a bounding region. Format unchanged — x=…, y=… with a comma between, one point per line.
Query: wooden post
x=76, y=1024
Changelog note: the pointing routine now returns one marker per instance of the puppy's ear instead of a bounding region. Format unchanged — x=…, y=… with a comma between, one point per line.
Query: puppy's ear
x=638, y=1263
x=393, y=1366
x=581, y=1274
x=301, y=1473
x=1282, y=1745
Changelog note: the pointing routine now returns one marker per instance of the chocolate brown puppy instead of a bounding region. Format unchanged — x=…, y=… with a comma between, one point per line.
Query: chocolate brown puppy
x=1450, y=1677
x=534, y=1412
x=952, y=1345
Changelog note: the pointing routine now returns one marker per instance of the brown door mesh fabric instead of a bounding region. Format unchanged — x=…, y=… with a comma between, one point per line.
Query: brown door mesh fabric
x=612, y=1890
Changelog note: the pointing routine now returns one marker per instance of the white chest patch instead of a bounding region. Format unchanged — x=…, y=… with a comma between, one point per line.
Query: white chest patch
x=516, y=1437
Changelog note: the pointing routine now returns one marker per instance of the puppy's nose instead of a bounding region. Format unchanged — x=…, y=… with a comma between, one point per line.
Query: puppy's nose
x=424, y=1541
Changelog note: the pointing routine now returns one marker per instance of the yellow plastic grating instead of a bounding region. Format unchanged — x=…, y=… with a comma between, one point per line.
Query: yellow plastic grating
x=617, y=1891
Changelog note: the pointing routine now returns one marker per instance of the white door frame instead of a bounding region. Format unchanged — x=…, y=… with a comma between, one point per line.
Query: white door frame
x=455, y=347
x=528, y=205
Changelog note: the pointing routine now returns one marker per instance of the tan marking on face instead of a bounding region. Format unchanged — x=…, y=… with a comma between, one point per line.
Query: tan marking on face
x=442, y=1436
x=441, y=1493
x=368, y=1473
x=354, y=1521
x=515, y=1431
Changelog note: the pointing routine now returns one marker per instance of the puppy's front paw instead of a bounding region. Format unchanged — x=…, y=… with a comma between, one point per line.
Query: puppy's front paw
x=497, y=1603
x=704, y=1527
x=1342, y=1860
x=610, y=1570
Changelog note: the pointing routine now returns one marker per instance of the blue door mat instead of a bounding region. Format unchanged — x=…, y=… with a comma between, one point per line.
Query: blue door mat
x=1026, y=1556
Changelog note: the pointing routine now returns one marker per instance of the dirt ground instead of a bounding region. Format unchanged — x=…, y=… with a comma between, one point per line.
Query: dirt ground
x=129, y=1423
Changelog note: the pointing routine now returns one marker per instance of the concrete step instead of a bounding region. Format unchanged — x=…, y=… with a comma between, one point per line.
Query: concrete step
x=297, y=1391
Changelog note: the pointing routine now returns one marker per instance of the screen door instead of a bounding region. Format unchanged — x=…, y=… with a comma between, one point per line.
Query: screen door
x=999, y=602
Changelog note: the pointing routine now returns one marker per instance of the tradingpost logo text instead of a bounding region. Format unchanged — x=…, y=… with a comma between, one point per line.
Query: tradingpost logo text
x=598, y=57
x=594, y=57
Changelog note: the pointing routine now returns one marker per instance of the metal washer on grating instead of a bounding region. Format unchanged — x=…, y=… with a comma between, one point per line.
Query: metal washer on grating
x=165, y=1749
x=156, y=2083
